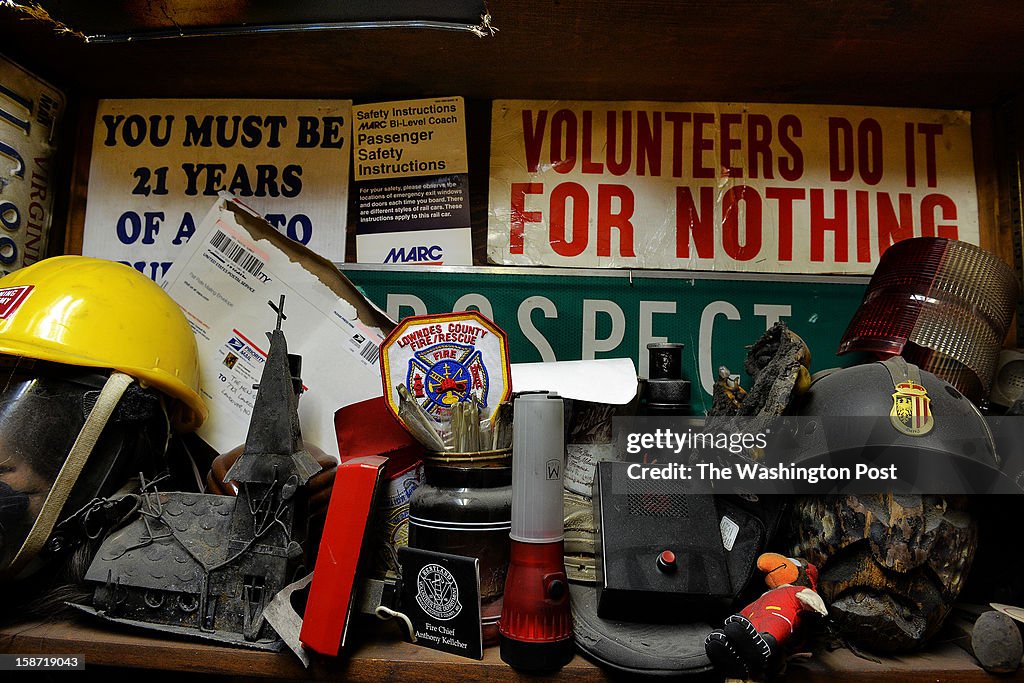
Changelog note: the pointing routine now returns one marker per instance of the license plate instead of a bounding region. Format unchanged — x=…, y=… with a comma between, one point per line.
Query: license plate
x=30, y=113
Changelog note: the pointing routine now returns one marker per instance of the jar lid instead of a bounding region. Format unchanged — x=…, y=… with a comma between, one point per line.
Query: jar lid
x=499, y=457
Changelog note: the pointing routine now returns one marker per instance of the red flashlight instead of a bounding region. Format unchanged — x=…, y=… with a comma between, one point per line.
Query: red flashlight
x=536, y=624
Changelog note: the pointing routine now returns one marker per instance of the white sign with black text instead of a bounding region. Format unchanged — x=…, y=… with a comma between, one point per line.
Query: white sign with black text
x=158, y=164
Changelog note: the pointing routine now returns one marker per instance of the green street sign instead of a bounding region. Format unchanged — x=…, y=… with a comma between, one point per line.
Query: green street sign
x=559, y=314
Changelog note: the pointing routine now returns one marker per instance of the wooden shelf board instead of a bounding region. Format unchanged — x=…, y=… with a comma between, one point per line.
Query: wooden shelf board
x=941, y=53
x=378, y=655
x=381, y=655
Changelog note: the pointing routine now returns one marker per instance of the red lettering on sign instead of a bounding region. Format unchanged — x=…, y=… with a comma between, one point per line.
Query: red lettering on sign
x=695, y=224
x=730, y=144
x=702, y=143
x=948, y=209
x=861, y=201
x=608, y=219
x=792, y=168
x=677, y=118
x=520, y=216
x=869, y=151
x=648, y=143
x=560, y=243
x=588, y=165
x=930, y=131
x=788, y=128
x=618, y=163
x=785, y=196
x=533, y=137
x=838, y=225
x=840, y=149
x=759, y=146
x=751, y=200
x=563, y=141
x=890, y=228
x=849, y=154
x=908, y=151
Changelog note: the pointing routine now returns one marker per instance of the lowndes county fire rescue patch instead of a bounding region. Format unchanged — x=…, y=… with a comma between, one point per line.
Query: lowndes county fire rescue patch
x=911, y=410
x=444, y=360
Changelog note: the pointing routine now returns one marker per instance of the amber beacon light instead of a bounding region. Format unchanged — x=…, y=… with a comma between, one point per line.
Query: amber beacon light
x=942, y=304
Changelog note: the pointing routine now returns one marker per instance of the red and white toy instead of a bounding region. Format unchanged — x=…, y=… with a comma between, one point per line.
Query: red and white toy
x=755, y=637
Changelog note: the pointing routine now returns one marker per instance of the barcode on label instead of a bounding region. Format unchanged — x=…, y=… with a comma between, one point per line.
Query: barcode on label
x=370, y=352
x=237, y=253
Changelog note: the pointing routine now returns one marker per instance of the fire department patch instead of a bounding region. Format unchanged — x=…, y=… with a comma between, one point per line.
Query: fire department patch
x=911, y=410
x=446, y=374
x=444, y=360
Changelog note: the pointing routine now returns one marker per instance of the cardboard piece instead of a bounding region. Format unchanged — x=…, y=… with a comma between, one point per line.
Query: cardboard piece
x=234, y=264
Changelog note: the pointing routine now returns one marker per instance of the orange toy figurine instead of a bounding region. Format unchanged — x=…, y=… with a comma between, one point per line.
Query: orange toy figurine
x=755, y=637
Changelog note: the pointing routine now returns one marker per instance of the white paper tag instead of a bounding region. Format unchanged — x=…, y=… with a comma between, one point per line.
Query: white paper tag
x=730, y=530
x=581, y=463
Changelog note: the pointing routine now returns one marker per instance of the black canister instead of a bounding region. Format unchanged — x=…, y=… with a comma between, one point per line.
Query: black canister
x=666, y=391
x=468, y=511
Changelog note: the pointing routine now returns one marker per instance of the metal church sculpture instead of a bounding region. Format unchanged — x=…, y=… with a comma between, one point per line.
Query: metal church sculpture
x=206, y=565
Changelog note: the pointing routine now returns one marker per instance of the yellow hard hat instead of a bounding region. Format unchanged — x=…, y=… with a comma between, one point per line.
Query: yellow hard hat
x=91, y=312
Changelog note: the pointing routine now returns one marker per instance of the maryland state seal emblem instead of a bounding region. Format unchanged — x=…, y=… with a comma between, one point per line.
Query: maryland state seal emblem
x=911, y=412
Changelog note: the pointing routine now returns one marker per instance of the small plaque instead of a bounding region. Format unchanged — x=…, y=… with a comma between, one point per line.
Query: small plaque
x=441, y=596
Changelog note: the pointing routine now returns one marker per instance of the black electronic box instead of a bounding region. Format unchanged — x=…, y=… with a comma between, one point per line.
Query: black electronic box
x=660, y=549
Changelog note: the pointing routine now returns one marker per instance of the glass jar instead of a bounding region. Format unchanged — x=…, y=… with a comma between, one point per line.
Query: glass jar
x=467, y=510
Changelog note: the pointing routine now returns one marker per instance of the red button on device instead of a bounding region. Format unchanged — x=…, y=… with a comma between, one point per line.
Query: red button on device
x=667, y=561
